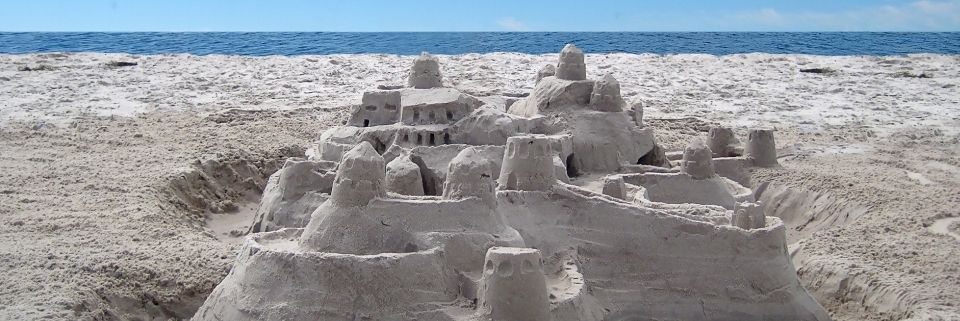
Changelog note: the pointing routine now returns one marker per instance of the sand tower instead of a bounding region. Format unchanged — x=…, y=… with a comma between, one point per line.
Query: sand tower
x=513, y=286
x=571, y=66
x=697, y=160
x=761, y=148
x=637, y=108
x=425, y=72
x=342, y=225
x=404, y=177
x=359, y=177
x=748, y=216
x=606, y=95
x=470, y=174
x=723, y=142
x=527, y=164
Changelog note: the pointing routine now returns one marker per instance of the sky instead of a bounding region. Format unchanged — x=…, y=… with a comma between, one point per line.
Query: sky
x=483, y=15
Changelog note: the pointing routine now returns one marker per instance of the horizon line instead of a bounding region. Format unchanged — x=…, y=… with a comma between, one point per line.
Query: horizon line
x=497, y=31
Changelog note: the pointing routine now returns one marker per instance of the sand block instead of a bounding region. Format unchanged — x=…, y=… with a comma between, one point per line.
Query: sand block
x=376, y=108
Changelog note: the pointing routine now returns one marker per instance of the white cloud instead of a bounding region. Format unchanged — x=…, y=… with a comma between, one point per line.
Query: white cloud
x=770, y=16
x=511, y=24
x=934, y=7
x=916, y=16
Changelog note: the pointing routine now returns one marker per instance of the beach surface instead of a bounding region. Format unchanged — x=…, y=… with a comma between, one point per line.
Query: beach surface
x=124, y=179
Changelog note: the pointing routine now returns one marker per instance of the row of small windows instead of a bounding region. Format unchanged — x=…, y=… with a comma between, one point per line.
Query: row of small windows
x=385, y=106
x=416, y=113
x=432, y=115
x=432, y=138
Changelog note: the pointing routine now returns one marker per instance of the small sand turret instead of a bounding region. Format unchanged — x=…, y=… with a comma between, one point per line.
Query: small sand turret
x=404, y=177
x=637, y=108
x=723, y=143
x=606, y=95
x=359, y=177
x=513, y=286
x=571, y=66
x=697, y=160
x=527, y=164
x=761, y=148
x=425, y=72
x=546, y=71
x=748, y=216
x=470, y=175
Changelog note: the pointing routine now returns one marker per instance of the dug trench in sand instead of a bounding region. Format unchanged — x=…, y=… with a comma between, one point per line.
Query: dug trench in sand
x=495, y=232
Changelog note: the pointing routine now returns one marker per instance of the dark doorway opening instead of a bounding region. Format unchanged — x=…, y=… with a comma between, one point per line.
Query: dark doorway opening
x=655, y=157
x=572, y=170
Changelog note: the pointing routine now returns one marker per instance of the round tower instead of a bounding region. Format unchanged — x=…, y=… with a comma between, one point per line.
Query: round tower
x=513, y=286
x=761, y=148
x=697, y=160
x=571, y=65
x=425, y=72
x=527, y=164
x=722, y=141
x=359, y=177
x=470, y=175
x=606, y=95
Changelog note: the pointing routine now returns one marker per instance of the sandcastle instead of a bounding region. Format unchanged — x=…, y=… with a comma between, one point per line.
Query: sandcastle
x=432, y=204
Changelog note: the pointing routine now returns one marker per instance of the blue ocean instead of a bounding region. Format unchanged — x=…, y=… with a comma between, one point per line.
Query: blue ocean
x=408, y=43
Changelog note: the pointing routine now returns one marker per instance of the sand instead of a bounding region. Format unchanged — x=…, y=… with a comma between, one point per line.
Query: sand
x=105, y=183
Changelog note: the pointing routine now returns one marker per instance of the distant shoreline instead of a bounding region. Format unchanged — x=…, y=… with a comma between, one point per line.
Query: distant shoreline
x=452, y=43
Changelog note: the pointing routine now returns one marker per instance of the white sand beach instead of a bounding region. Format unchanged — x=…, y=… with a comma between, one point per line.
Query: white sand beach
x=95, y=160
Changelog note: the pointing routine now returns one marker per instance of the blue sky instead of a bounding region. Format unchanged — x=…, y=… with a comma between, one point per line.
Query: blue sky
x=489, y=15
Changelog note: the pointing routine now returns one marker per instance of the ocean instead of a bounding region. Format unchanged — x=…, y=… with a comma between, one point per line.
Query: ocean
x=409, y=43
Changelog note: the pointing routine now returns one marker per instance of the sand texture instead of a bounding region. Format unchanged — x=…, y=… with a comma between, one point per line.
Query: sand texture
x=124, y=189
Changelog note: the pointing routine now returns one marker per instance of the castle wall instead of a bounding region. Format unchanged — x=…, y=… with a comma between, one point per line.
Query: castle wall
x=651, y=265
x=270, y=281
